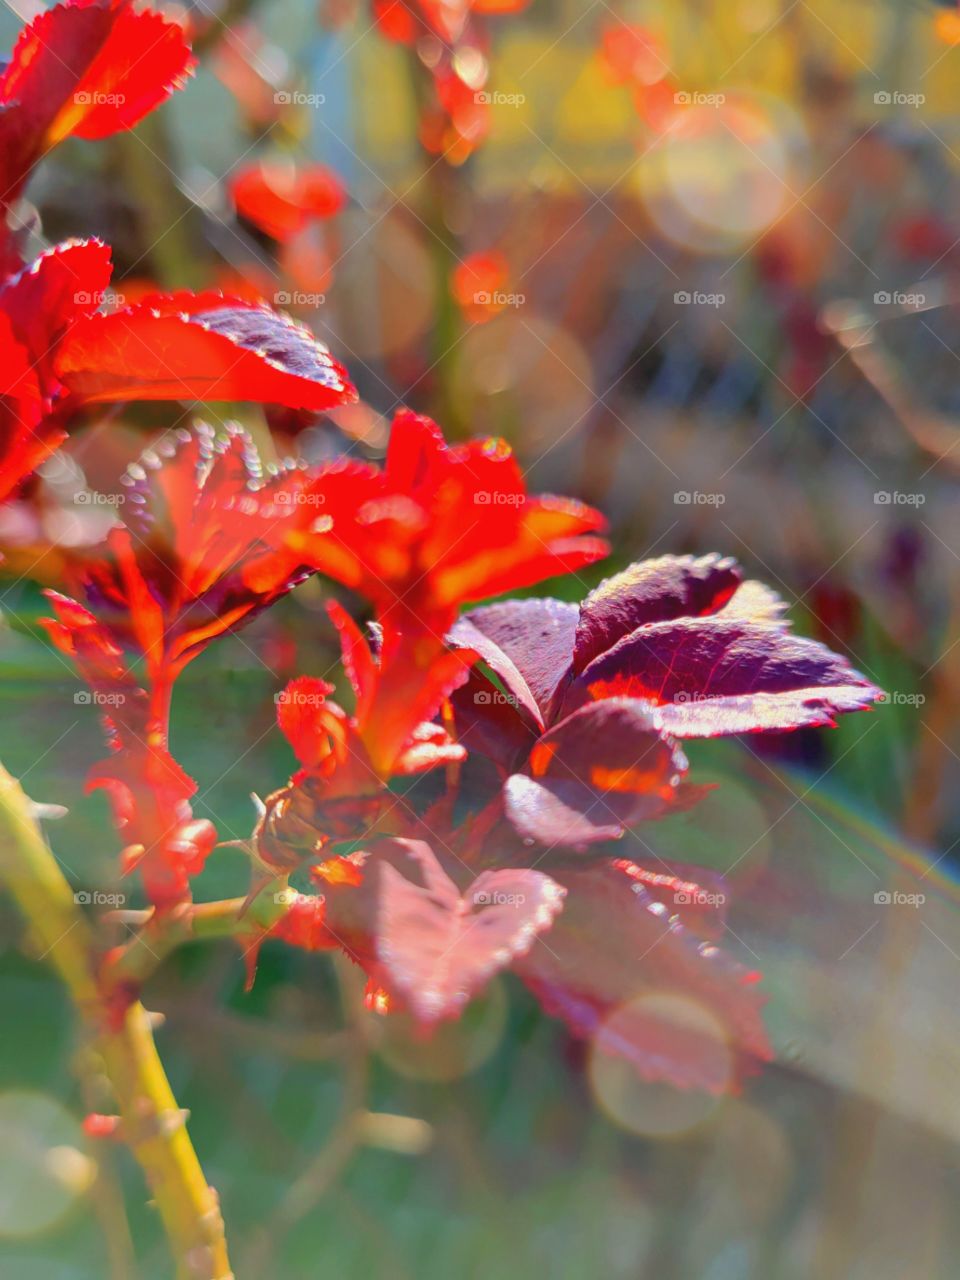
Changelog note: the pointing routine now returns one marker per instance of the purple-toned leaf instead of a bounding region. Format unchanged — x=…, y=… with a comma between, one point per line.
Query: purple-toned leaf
x=602, y=768
x=722, y=675
x=437, y=946
x=697, y=896
x=562, y=811
x=558, y=811
x=488, y=723
x=614, y=946
x=528, y=643
x=652, y=591
x=755, y=602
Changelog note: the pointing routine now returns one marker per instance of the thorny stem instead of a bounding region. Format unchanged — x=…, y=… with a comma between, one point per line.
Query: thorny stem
x=152, y=1122
x=137, y=959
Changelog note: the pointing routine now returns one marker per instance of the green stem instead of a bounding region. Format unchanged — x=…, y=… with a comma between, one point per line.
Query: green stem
x=153, y=1124
x=137, y=959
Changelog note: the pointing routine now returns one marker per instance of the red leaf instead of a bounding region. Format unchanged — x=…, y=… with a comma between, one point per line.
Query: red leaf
x=149, y=792
x=337, y=871
x=200, y=347
x=561, y=811
x=362, y=671
x=487, y=721
x=36, y=306
x=317, y=730
x=408, y=694
x=24, y=442
x=199, y=521
x=445, y=524
x=91, y=647
x=85, y=68
x=428, y=747
x=697, y=896
x=713, y=652
x=438, y=947
x=614, y=943
x=59, y=287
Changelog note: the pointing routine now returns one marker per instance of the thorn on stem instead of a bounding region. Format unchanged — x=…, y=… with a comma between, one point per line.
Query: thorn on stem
x=47, y=812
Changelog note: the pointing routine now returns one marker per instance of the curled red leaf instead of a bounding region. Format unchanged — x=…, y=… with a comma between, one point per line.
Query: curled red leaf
x=88, y=68
x=200, y=347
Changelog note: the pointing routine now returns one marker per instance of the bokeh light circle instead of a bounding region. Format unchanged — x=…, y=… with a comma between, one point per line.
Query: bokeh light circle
x=720, y=173
x=43, y=1170
x=525, y=377
x=449, y=1050
x=657, y=1110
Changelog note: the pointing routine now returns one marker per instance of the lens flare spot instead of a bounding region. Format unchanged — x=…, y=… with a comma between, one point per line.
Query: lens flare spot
x=43, y=1169
x=722, y=173
x=650, y=1028
x=447, y=1051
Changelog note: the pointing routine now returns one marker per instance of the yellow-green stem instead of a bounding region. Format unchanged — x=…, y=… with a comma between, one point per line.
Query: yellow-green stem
x=236, y=918
x=152, y=1121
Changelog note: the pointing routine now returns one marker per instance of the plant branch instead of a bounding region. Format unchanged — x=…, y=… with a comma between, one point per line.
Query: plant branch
x=133, y=962
x=152, y=1123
